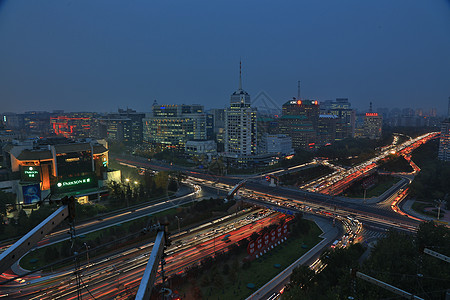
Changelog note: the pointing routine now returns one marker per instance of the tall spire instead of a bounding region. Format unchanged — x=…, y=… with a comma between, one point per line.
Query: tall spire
x=240, y=75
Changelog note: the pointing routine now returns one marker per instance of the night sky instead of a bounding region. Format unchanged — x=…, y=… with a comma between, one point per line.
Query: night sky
x=98, y=55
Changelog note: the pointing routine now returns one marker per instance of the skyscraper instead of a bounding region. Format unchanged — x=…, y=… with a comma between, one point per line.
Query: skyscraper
x=171, y=126
x=300, y=121
x=240, y=124
x=444, y=141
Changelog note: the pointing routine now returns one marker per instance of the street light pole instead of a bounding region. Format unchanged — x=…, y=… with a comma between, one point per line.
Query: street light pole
x=214, y=240
x=178, y=220
x=87, y=252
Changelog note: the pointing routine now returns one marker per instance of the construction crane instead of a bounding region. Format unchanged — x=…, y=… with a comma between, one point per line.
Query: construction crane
x=27, y=242
x=157, y=256
x=384, y=285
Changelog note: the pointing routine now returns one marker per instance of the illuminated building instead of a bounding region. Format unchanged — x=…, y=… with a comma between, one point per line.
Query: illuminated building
x=300, y=120
x=56, y=167
x=136, y=131
x=201, y=148
x=240, y=125
x=373, y=124
x=74, y=125
x=280, y=144
x=115, y=128
x=345, y=123
x=30, y=123
x=326, y=130
x=444, y=141
x=171, y=126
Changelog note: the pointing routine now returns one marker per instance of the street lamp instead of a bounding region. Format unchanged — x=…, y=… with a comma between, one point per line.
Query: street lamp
x=438, y=205
x=178, y=219
x=127, y=179
x=87, y=252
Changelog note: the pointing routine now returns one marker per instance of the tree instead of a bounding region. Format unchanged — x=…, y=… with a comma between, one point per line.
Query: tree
x=6, y=199
x=302, y=276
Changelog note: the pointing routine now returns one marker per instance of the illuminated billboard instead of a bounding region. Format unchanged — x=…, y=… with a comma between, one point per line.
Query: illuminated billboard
x=31, y=193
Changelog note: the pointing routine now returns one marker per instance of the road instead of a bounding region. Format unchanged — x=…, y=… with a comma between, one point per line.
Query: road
x=125, y=269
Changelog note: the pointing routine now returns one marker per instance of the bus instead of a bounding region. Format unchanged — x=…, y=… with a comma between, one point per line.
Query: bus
x=334, y=244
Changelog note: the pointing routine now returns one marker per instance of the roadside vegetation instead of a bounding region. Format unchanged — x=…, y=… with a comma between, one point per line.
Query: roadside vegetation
x=433, y=181
x=227, y=275
x=396, y=259
x=395, y=163
x=127, y=233
x=306, y=175
x=381, y=184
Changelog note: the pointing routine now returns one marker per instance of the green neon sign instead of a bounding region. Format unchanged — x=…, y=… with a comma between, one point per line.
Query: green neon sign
x=73, y=182
x=31, y=174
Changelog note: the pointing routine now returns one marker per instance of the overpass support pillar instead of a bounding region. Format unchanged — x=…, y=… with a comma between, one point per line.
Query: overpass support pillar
x=272, y=182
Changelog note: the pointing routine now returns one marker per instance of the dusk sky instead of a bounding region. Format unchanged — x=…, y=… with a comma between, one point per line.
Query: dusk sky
x=98, y=55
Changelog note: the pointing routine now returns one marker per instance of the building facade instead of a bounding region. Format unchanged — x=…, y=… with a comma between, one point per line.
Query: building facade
x=240, y=125
x=56, y=167
x=300, y=120
x=280, y=144
x=373, y=125
x=444, y=141
x=171, y=126
x=345, y=123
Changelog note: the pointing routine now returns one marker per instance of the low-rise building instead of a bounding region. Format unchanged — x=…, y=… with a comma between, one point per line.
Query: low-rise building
x=199, y=148
x=54, y=168
x=280, y=144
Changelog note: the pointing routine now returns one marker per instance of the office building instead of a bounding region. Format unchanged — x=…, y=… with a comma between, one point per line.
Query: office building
x=171, y=126
x=326, y=130
x=444, y=140
x=115, y=128
x=240, y=125
x=279, y=144
x=299, y=120
x=74, y=125
x=373, y=125
x=345, y=123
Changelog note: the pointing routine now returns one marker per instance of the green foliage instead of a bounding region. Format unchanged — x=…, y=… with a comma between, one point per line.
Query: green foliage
x=396, y=259
x=359, y=149
x=6, y=199
x=433, y=181
x=395, y=163
x=332, y=283
x=303, y=176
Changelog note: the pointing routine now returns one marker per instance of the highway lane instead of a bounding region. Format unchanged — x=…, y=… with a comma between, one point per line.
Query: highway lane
x=121, y=274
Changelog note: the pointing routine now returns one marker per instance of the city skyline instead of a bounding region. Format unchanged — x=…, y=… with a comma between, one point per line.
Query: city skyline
x=83, y=57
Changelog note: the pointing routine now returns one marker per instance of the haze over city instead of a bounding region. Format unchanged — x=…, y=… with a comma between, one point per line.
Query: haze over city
x=101, y=55
x=258, y=150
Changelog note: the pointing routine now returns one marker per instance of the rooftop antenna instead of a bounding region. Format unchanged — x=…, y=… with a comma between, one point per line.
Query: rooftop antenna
x=370, y=107
x=240, y=74
x=298, y=90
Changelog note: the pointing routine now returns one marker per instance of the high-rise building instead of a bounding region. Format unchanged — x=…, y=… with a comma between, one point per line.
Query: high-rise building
x=345, y=124
x=373, y=124
x=171, y=126
x=300, y=121
x=444, y=141
x=219, y=127
x=240, y=124
x=74, y=125
x=115, y=128
x=326, y=130
x=136, y=124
